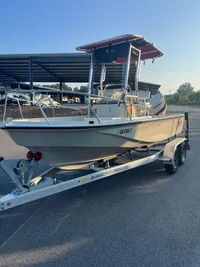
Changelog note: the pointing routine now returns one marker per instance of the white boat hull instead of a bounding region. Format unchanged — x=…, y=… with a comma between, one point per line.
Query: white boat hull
x=62, y=146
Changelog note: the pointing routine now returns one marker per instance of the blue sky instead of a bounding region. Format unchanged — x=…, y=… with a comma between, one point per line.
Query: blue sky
x=45, y=26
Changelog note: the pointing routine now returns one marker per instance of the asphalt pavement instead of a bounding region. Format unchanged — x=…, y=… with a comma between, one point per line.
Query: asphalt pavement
x=143, y=217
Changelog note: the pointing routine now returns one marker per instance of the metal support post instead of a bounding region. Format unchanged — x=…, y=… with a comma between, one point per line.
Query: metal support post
x=90, y=81
x=31, y=78
x=61, y=95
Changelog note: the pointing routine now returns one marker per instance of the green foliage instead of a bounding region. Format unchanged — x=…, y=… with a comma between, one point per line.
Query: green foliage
x=185, y=89
x=76, y=89
x=65, y=87
x=57, y=86
x=83, y=89
x=185, y=95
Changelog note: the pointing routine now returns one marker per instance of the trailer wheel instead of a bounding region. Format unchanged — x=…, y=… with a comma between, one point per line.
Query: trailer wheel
x=182, y=153
x=172, y=168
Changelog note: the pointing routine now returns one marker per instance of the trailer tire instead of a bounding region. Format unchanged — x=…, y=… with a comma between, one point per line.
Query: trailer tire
x=172, y=168
x=182, y=153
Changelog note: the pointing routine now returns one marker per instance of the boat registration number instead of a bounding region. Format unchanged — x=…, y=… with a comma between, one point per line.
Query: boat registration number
x=124, y=131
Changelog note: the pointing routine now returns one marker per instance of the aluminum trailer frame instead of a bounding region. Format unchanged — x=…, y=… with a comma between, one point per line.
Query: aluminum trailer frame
x=46, y=184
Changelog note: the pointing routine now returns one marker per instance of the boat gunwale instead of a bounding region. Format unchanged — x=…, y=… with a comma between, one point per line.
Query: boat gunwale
x=89, y=126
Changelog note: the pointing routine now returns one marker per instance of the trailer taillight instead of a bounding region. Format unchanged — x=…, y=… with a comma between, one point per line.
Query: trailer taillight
x=30, y=155
x=38, y=156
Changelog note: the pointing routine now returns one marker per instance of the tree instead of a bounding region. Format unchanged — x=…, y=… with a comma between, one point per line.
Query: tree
x=83, y=89
x=66, y=87
x=53, y=86
x=76, y=89
x=176, y=98
x=57, y=86
x=180, y=97
x=169, y=99
x=185, y=89
x=193, y=97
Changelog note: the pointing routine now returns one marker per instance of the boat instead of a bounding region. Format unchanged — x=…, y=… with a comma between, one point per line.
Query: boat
x=119, y=121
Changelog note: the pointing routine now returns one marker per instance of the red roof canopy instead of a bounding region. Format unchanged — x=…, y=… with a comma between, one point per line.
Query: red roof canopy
x=148, y=50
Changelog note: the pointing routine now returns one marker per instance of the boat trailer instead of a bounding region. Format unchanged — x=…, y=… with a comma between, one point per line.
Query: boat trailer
x=29, y=188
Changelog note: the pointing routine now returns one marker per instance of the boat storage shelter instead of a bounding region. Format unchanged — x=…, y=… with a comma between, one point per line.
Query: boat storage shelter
x=61, y=68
